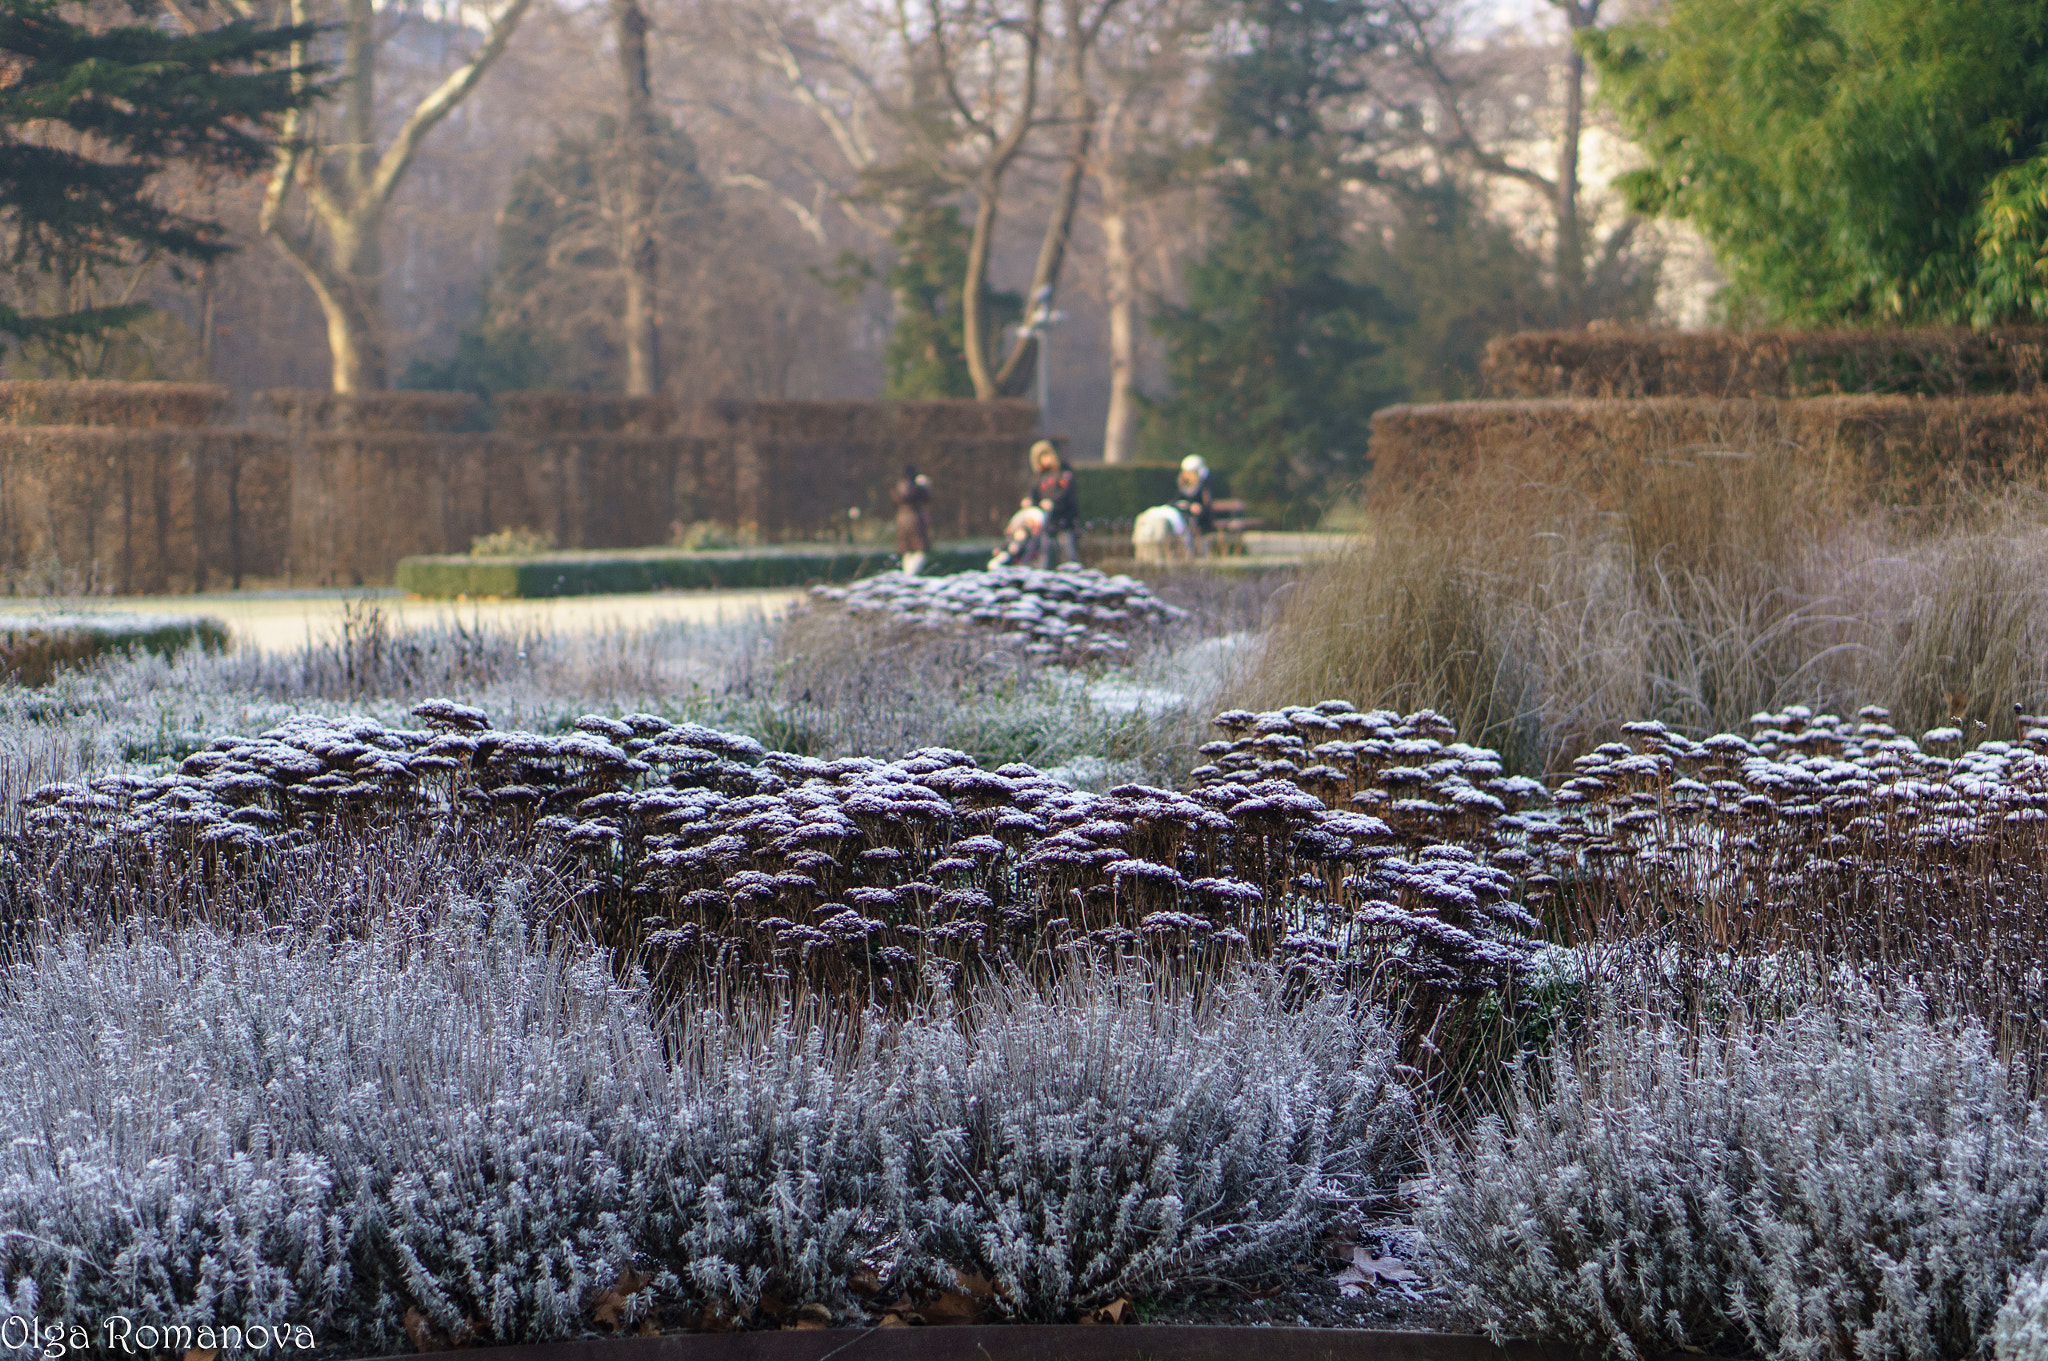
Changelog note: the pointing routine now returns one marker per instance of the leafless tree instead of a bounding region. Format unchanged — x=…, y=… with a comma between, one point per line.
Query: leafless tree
x=347, y=180
x=1478, y=118
x=641, y=250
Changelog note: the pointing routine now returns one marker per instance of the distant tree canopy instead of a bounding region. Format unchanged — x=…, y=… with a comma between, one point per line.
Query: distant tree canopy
x=551, y=311
x=89, y=119
x=1273, y=358
x=1850, y=160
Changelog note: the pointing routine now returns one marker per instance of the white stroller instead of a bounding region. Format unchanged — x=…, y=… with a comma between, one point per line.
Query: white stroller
x=1023, y=540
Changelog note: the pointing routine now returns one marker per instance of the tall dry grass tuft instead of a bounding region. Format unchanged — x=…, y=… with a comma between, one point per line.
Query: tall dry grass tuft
x=1712, y=585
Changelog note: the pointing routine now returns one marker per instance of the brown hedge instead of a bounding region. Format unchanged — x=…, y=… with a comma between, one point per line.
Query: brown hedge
x=560, y=413
x=1894, y=449
x=1613, y=363
x=129, y=405
x=854, y=421
x=144, y=510
x=305, y=410
x=342, y=487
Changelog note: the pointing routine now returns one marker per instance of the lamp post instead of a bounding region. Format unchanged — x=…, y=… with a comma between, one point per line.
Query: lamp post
x=1039, y=325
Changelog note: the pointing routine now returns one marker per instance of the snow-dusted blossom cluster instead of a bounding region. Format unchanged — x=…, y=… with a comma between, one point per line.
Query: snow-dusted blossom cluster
x=456, y=1135
x=1813, y=832
x=1835, y=1183
x=1071, y=614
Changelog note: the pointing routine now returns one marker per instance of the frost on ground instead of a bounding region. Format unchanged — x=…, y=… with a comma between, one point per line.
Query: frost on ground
x=455, y=1133
x=262, y=1053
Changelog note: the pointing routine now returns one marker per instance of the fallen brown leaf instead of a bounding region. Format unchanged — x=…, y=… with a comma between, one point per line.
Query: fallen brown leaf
x=1367, y=1273
x=1117, y=1311
x=424, y=1335
x=609, y=1309
x=811, y=1316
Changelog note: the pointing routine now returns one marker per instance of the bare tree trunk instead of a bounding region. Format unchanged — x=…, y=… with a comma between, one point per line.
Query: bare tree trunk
x=641, y=255
x=1570, y=261
x=1021, y=363
x=1119, y=435
x=974, y=295
x=348, y=185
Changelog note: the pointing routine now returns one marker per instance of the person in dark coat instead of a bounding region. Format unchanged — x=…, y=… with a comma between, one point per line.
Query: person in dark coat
x=1055, y=495
x=912, y=493
x=1195, y=501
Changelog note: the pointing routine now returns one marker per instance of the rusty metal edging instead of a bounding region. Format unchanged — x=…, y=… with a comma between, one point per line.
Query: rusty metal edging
x=1035, y=1342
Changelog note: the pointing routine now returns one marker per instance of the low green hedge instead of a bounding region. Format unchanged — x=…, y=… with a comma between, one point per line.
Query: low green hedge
x=34, y=648
x=621, y=571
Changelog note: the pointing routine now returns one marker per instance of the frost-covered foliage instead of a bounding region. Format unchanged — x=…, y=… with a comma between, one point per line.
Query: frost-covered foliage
x=1072, y=614
x=202, y=1130
x=1101, y=1139
x=453, y=1134
x=2020, y=1332
x=1821, y=839
x=868, y=876
x=1828, y=1185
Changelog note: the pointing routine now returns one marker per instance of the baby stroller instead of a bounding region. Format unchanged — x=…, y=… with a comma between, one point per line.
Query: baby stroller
x=1023, y=539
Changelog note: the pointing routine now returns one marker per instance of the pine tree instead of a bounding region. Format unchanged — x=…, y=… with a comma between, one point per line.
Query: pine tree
x=1273, y=358
x=125, y=104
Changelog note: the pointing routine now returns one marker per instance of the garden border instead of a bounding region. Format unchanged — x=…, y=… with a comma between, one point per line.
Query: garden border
x=1038, y=1342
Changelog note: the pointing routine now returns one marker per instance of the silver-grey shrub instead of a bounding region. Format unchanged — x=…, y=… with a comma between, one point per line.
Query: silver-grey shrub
x=1097, y=1139
x=203, y=1130
x=2021, y=1330
x=458, y=1125
x=1843, y=1184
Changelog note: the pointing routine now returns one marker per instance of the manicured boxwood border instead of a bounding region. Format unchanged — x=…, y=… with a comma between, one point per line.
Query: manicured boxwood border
x=1038, y=1342
x=621, y=571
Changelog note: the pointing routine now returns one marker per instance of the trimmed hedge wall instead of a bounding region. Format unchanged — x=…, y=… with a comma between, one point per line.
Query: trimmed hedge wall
x=1119, y=491
x=546, y=575
x=131, y=405
x=1933, y=362
x=1892, y=449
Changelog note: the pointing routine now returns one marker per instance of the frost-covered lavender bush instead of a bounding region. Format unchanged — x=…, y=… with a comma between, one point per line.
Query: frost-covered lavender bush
x=203, y=1130
x=1099, y=1138
x=2020, y=1332
x=455, y=1133
x=1837, y=1184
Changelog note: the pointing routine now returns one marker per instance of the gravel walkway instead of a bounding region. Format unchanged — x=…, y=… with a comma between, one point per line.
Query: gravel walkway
x=281, y=620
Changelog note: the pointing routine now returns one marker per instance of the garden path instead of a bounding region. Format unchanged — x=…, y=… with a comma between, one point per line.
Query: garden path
x=281, y=620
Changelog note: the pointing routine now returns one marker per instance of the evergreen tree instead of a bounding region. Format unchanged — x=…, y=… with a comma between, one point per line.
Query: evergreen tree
x=1455, y=278
x=926, y=355
x=551, y=311
x=1274, y=357
x=1850, y=160
x=927, y=352
x=126, y=103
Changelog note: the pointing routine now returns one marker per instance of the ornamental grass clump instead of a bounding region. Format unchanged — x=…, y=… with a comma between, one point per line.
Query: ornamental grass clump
x=1841, y=1182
